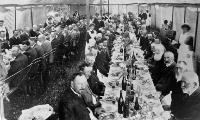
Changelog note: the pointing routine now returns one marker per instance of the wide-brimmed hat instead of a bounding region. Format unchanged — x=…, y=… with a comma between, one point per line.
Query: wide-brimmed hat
x=185, y=25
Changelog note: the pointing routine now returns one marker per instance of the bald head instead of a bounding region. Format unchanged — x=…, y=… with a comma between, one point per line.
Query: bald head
x=189, y=82
x=41, y=38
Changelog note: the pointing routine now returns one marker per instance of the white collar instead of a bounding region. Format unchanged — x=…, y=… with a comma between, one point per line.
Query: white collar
x=75, y=92
x=169, y=64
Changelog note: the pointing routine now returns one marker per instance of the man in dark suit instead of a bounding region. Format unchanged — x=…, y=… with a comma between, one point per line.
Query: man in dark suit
x=28, y=51
x=72, y=106
x=190, y=109
x=31, y=53
x=60, y=48
x=38, y=48
x=47, y=48
x=20, y=62
x=168, y=78
x=15, y=40
x=25, y=35
x=102, y=61
x=34, y=31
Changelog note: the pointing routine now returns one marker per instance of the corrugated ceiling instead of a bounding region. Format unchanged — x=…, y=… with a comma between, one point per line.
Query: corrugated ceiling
x=35, y=2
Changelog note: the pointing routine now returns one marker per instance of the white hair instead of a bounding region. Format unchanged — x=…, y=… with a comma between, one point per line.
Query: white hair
x=191, y=77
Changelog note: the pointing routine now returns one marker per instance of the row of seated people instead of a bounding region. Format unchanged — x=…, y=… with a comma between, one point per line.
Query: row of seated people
x=65, y=42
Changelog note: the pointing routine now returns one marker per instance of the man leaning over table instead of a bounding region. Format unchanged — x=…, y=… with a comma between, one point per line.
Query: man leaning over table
x=72, y=106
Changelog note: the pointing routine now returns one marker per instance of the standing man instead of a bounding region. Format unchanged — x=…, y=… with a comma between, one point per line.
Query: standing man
x=4, y=29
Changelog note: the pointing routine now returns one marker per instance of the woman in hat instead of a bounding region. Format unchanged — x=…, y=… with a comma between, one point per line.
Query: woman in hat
x=185, y=51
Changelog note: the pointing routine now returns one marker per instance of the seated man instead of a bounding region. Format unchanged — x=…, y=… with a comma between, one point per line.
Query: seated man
x=177, y=95
x=157, y=63
x=168, y=80
x=96, y=86
x=15, y=40
x=190, y=110
x=20, y=62
x=72, y=105
x=30, y=52
x=101, y=65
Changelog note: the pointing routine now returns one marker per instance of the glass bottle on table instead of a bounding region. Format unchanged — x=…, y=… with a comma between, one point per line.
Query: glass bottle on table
x=124, y=83
x=120, y=103
x=137, y=106
x=134, y=72
x=126, y=108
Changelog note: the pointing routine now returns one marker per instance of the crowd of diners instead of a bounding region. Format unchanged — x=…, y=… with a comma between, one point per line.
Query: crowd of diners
x=51, y=43
x=171, y=65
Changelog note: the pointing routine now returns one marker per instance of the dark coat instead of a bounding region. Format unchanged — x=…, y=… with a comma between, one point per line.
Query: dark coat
x=190, y=110
x=143, y=16
x=58, y=43
x=96, y=86
x=144, y=43
x=178, y=98
x=20, y=62
x=24, y=36
x=47, y=48
x=156, y=69
x=40, y=53
x=15, y=41
x=167, y=80
x=39, y=50
x=31, y=53
x=72, y=107
x=33, y=33
x=102, y=63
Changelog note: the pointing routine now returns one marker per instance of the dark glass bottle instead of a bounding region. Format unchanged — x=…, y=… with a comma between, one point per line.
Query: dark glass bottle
x=134, y=72
x=124, y=84
x=120, y=103
x=121, y=50
x=133, y=59
x=126, y=108
x=125, y=54
x=137, y=106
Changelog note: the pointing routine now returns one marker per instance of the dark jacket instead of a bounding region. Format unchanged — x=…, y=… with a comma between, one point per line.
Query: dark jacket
x=190, y=110
x=156, y=69
x=58, y=44
x=96, y=86
x=31, y=53
x=24, y=36
x=72, y=107
x=167, y=80
x=14, y=41
x=20, y=62
x=39, y=50
x=102, y=63
x=33, y=33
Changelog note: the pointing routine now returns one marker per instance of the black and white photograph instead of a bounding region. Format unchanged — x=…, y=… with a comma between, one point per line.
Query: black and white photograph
x=99, y=59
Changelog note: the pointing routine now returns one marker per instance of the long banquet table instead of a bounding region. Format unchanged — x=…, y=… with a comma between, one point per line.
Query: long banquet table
x=149, y=97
